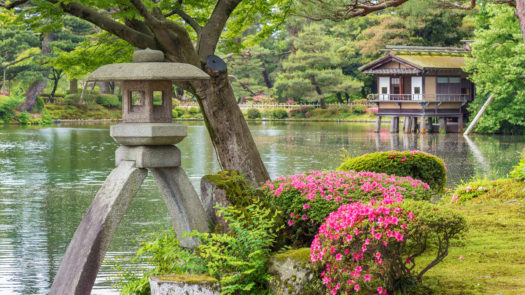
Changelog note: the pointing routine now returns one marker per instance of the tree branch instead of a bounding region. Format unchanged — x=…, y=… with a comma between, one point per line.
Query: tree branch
x=91, y=15
x=188, y=19
x=211, y=32
x=13, y=4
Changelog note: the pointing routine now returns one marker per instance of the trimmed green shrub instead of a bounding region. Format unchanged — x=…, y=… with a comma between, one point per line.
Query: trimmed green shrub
x=253, y=114
x=279, y=113
x=194, y=111
x=307, y=199
x=359, y=108
x=8, y=106
x=23, y=118
x=108, y=100
x=178, y=112
x=416, y=164
x=320, y=112
x=344, y=109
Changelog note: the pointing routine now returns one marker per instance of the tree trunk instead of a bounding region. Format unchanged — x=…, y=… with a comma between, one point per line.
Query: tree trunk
x=339, y=98
x=105, y=87
x=520, y=14
x=3, y=83
x=32, y=92
x=229, y=133
x=73, y=86
x=266, y=77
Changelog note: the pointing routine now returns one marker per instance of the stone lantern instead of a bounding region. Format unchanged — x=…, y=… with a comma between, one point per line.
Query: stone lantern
x=147, y=137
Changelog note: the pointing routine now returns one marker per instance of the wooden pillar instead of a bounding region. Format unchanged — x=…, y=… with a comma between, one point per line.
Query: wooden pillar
x=414, y=124
x=443, y=125
x=394, y=126
x=460, y=124
x=378, y=124
x=407, y=124
x=422, y=125
x=430, y=126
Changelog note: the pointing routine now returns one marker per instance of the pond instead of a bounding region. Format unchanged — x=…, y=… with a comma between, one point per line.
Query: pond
x=49, y=176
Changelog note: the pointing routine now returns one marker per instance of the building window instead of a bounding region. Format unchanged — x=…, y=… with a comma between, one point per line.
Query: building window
x=442, y=80
x=384, y=90
x=448, y=85
x=417, y=90
x=395, y=81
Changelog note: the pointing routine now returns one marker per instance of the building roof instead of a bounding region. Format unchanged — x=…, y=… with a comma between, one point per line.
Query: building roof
x=432, y=61
x=417, y=59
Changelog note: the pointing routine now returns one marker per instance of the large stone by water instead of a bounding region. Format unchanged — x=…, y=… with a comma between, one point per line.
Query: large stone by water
x=292, y=272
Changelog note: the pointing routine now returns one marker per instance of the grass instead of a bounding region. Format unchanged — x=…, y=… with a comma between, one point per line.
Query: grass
x=491, y=259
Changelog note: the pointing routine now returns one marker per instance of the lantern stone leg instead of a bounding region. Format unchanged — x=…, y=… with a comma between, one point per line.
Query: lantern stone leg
x=86, y=251
x=147, y=139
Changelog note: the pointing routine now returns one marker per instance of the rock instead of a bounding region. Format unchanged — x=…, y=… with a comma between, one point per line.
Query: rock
x=292, y=272
x=511, y=201
x=212, y=196
x=184, y=284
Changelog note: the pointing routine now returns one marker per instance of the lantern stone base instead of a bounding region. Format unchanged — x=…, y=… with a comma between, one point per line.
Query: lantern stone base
x=184, y=284
x=149, y=156
x=133, y=134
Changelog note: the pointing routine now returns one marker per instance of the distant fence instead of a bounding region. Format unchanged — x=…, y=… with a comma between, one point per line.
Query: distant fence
x=283, y=106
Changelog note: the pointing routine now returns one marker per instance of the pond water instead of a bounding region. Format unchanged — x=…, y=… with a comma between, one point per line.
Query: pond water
x=49, y=176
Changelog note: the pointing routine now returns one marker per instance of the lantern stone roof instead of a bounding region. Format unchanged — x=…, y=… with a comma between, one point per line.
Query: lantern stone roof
x=148, y=65
x=417, y=59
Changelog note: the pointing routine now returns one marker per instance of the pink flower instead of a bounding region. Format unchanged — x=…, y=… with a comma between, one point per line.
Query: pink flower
x=380, y=290
x=306, y=206
x=290, y=222
x=304, y=217
x=356, y=287
x=338, y=257
x=366, y=278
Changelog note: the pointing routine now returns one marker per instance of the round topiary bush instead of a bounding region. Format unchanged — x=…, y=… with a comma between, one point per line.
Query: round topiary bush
x=374, y=246
x=279, y=113
x=416, y=164
x=305, y=200
x=253, y=114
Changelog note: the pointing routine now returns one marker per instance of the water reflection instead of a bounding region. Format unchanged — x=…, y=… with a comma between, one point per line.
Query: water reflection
x=49, y=176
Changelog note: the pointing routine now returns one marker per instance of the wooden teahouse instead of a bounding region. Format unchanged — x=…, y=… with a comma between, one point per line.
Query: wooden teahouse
x=425, y=84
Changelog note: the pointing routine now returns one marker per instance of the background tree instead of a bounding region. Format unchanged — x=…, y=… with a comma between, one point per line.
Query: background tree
x=312, y=72
x=498, y=68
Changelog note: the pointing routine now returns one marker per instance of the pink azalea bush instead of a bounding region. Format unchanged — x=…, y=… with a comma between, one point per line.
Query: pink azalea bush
x=374, y=246
x=307, y=199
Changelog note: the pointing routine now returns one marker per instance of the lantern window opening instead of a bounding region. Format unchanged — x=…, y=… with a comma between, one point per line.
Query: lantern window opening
x=158, y=98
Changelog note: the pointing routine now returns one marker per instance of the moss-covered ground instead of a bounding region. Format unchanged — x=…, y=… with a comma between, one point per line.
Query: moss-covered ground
x=491, y=259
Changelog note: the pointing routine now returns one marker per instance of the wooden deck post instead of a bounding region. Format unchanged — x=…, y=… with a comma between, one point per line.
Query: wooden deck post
x=430, y=126
x=378, y=124
x=422, y=125
x=414, y=124
x=394, y=126
x=460, y=124
x=443, y=125
x=407, y=124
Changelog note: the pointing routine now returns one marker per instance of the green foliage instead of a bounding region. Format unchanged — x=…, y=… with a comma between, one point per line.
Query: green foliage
x=416, y=164
x=312, y=71
x=472, y=189
x=279, y=113
x=23, y=118
x=253, y=114
x=160, y=254
x=77, y=112
x=178, y=112
x=498, y=67
x=435, y=227
x=106, y=100
x=359, y=108
x=239, y=191
x=194, y=111
x=238, y=259
x=502, y=190
x=519, y=170
x=8, y=106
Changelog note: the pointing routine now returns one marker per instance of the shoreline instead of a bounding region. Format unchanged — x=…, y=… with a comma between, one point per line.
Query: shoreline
x=73, y=121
